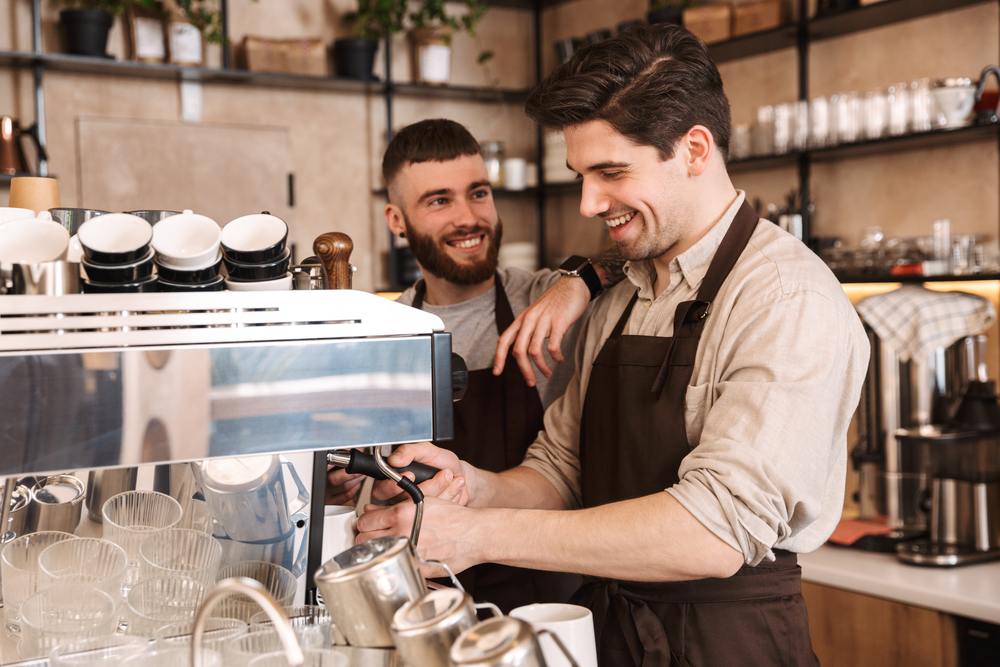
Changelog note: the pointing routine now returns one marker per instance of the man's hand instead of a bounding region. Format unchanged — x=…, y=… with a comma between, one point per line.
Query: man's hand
x=548, y=317
x=449, y=483
x=446, y=533
x=342, y=487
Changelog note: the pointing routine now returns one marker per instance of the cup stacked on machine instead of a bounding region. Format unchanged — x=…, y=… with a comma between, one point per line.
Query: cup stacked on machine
x=255, y=253
x=116, y=254
x=187, y=253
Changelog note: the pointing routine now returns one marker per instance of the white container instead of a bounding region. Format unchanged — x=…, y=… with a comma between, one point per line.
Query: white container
x=573, y=624
x=187, y=241
x=33, y=240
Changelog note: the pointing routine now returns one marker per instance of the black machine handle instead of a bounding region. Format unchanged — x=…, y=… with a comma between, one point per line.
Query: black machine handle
x=357, y=462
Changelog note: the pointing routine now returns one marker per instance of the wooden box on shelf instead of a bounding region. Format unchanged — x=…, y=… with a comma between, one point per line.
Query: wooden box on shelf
x=757, y=15
x=287, y=56
x=713, y=23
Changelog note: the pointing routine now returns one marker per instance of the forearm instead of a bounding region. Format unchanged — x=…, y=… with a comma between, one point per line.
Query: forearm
x=517, y=488
x=647, y=539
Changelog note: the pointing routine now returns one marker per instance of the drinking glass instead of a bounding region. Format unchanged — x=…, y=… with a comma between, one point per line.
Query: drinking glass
x=848, y=114
x=110, y=650
x=278, y=581
x=876, y=114
x=242, y=649
x=313, y=658
x=153, y=603
x=763, y=131
x=217, y=631
x=180, y=552
x=19, y=572
x=86, y=560
x=783, y=128
x=898, y=99
x=800, y=137
x=131, y=517
x=921, y=114
x=306, y=620
x=174, y=657
x=819, y=123
x=62, y=614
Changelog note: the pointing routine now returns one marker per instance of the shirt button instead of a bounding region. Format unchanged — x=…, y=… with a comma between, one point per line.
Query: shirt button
x=647, y=303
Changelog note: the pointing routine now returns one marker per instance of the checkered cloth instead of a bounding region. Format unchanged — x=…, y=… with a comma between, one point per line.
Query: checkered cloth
x=914, y=320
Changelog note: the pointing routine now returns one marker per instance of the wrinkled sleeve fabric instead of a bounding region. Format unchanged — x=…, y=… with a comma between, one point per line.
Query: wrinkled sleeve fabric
x=768, y=468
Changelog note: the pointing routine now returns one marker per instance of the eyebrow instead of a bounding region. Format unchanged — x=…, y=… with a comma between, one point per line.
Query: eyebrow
x=602, y=165
x=448, y=191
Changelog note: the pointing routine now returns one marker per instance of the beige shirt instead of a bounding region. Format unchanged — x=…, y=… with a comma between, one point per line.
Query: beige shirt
x=776, y=379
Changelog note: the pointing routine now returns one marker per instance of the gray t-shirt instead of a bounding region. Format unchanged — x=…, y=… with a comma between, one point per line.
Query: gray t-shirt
x=474, y=337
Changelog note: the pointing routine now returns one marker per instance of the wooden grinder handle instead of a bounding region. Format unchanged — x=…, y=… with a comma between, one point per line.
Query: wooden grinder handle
x=334, y=251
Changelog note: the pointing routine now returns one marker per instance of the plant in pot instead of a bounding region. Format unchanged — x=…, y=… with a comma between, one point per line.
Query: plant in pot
x=87, y=23
x=354, y=56
x=431, y=33
x=669, y=11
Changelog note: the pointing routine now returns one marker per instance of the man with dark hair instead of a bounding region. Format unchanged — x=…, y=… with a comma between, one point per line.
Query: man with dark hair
x=441, y=202
x=702, y=440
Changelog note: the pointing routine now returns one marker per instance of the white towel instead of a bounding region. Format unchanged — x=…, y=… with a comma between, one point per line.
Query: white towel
x=914, y=320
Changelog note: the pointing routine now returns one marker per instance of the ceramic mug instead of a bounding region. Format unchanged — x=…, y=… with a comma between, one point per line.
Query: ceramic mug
x=339, y=529
x=573, y=624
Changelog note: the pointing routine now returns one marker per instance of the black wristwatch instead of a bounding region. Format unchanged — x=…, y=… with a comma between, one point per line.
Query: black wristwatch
x=580, y=267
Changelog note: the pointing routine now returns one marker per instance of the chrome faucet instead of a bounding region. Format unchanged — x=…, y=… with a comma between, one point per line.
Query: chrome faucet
x=255, y=591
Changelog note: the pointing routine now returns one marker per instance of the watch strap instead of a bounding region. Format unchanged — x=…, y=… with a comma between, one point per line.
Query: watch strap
x=581, y=267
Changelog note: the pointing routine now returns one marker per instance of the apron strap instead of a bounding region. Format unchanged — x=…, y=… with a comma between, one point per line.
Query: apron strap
x=643, y=632
x=623, y=320
x=693, y=313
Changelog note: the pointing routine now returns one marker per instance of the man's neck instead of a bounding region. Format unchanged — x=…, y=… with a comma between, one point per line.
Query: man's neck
x=440, y=292
x=705, y=217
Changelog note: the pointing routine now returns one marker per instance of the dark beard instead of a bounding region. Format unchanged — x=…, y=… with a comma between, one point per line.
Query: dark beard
x=433, y=260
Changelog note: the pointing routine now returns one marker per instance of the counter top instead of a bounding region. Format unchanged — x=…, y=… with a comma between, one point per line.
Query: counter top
x=972, y=591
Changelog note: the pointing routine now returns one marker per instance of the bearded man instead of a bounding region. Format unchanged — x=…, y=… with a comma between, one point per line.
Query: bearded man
x=441, y=202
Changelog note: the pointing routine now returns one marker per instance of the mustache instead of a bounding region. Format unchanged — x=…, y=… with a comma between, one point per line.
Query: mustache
x=462, y=233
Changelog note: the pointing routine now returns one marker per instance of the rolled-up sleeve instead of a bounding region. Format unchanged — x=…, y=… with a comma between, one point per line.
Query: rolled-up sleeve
x=768, y=468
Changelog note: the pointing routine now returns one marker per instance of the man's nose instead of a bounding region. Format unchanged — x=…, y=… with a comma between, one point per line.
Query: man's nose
x=465, y=214
x=594, y=200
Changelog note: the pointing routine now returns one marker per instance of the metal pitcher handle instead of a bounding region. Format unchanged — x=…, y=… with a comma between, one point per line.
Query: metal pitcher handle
x=562, y=647
x=299, y=565
x=303, y=496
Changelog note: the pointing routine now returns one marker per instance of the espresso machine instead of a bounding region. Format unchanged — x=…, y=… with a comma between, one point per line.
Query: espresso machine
x=105, y=381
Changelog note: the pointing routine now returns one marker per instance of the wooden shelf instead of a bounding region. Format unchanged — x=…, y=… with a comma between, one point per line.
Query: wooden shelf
x=474, y=94
x=6, y=178
x=880, y=14
x=906, y=142
x=856, y=278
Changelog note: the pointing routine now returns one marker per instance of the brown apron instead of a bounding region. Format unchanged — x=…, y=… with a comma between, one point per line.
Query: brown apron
x=632, y=441
x=495, y=422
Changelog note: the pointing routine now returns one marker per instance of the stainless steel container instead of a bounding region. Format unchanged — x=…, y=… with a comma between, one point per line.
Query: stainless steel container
x=965, y=512
x=105, y=484
x=56, y=504
x=365, y=585
x=20, y=507
x=425, y=629
x=153, y=217
x=46, y=278
x=72, y=218
x=498, y=642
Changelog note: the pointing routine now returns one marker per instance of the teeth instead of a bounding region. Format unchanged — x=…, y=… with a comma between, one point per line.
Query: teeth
x=614, y=222
x=468, y=243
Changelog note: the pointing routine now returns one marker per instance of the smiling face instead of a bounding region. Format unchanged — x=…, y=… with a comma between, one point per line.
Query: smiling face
x=447, y=211
x=640, y=196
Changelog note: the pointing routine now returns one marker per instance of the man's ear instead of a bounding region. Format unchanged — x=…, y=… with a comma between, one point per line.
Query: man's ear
x=700, y=145
x=394, y=218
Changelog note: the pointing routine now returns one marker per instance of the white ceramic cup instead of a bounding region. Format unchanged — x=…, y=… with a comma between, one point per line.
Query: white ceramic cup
x=7, y=214
x=515, y=173
x=956, y=103
x=339, y=529
x=574, y=625
x=286, y=282
x=33, y=240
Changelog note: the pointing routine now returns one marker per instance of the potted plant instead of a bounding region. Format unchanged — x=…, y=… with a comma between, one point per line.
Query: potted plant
x=354, y=56
x=669, y=11
x=431, y=33
x=87, y=23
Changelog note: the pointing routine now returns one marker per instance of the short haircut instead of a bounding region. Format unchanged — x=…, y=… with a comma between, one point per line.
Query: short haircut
x=436, y=140
x=651, y=83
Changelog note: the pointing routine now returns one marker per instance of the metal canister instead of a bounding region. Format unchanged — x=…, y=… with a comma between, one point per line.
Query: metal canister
x=20, y=503
x=425, y=629
x=56, y=504
x=498, y=642
x=105, y=484
x=365, y=585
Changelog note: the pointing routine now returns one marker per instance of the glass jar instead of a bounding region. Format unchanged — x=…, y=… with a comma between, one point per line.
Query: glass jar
x=493, y=157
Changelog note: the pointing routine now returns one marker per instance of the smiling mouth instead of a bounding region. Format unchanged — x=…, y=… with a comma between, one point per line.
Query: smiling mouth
x=620, y=220
x=467, y=243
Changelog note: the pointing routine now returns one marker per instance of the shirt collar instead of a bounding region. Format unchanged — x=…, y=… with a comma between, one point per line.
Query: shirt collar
x=692, y=264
